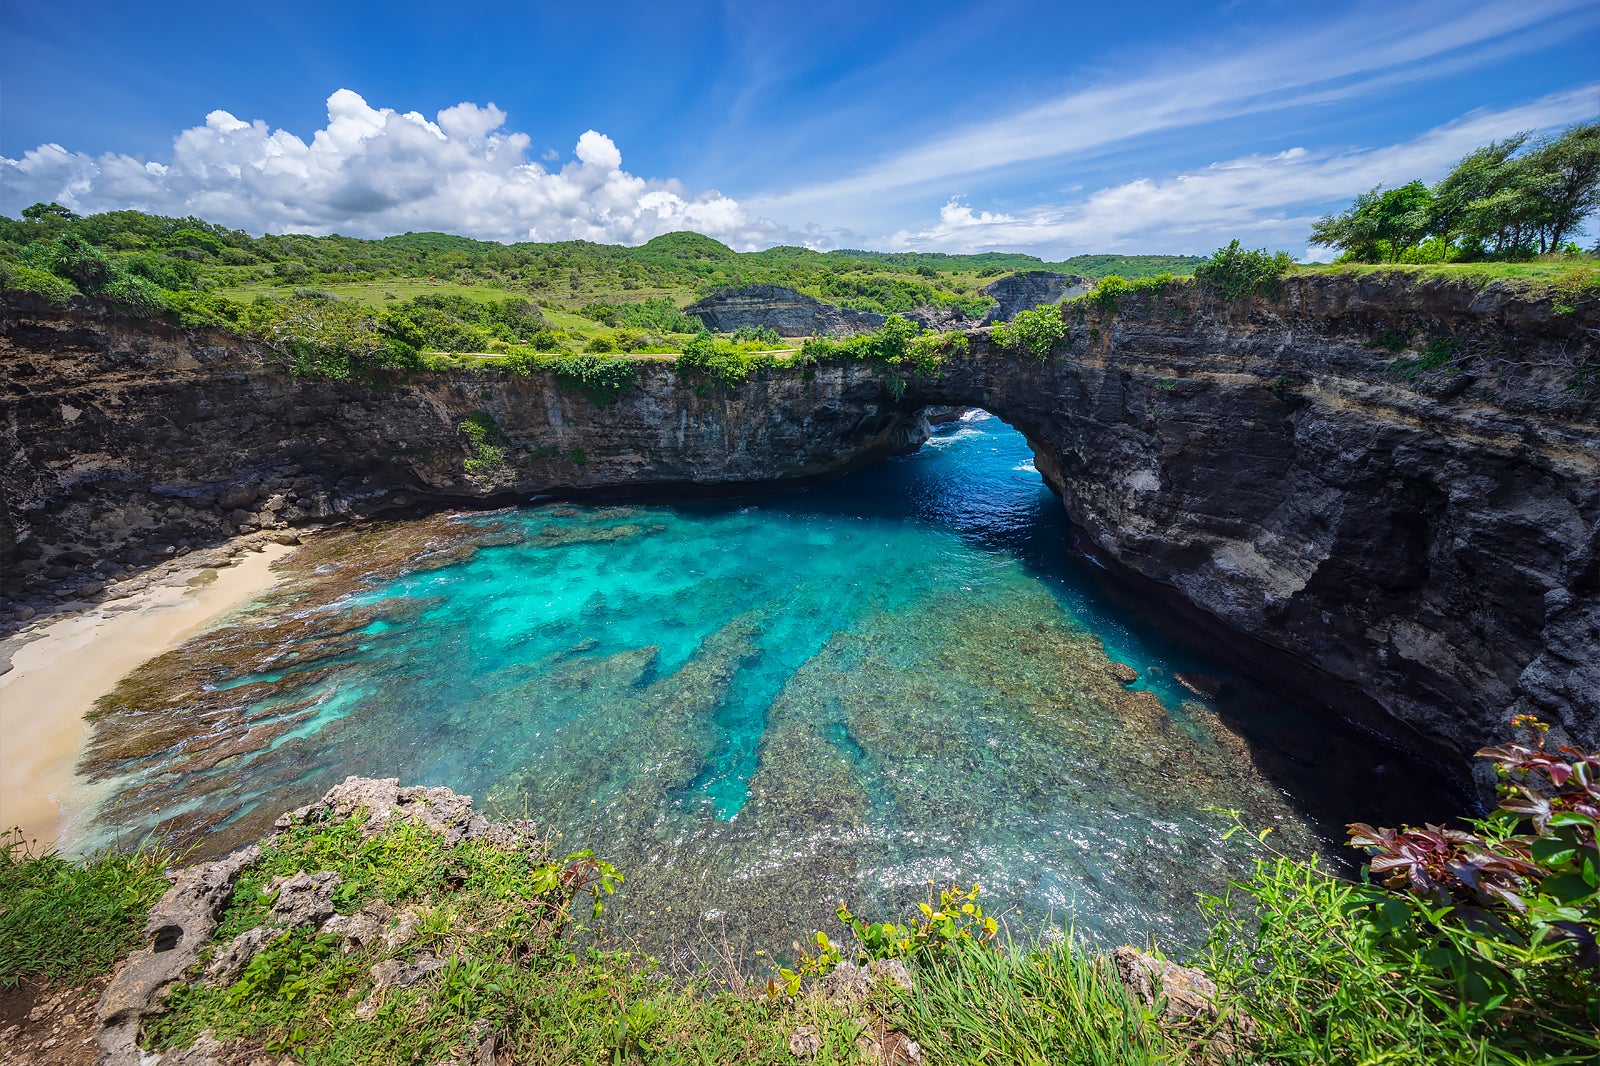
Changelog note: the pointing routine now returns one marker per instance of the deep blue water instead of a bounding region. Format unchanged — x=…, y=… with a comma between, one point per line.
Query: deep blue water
x=759, y=706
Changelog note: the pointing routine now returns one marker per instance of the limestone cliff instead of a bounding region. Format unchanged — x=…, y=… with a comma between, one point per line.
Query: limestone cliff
x=788, y=313
x=1395, y=484
x=1028, y=289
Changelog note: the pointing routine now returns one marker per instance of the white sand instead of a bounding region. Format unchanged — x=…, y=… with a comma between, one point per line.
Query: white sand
x=56, y=679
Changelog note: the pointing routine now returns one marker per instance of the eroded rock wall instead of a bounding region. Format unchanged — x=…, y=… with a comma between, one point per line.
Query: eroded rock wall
x=126, y=438
x=1428, y=536
x=786, y=312
x=1028, y=289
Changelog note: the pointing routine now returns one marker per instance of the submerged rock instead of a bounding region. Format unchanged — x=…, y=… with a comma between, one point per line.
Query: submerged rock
x=1203, y=685
x=1123, y=672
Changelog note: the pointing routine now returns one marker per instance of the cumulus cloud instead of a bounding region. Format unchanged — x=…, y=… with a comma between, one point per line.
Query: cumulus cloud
x=374, y=171
x=1267, y=199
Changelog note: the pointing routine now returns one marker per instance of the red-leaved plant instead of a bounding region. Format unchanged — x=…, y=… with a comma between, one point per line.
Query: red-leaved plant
x=1543, y=876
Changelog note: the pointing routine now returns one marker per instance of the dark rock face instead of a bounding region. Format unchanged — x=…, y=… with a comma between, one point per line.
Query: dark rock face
x=1034, y=288
x=129, y=440
x=790, y=313
x=1421, y=537
x=1428, y=537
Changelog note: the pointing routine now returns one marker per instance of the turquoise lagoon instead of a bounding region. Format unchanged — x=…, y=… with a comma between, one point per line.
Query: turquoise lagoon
x=759, y=706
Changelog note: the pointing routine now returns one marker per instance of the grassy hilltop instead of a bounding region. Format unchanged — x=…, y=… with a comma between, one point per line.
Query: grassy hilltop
x=445, y=293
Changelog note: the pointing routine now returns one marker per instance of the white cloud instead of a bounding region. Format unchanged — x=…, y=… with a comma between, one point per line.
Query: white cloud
x=374, y=172
x=1261, y=199
x=1361, y=55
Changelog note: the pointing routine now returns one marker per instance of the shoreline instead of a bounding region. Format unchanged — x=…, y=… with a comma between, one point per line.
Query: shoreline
x=66, y=665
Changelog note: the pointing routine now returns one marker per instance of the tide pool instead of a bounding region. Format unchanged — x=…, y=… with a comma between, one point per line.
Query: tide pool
x=758, y=707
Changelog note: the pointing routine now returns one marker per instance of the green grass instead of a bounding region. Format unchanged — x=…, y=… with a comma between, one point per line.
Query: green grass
x=70, y=921
x=1481, y=273
x=1326, y=971
x=505, y=920
x=1051, y=1005
x=1336, y=971
x=371, y=294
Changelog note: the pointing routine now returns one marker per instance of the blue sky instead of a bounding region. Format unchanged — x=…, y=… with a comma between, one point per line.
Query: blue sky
x=1049, y=128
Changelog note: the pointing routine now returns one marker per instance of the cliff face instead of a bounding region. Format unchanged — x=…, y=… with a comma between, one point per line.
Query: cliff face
x=789, y=313
x=119, y=434
x=1428, y=536
x=1030, y=289
x=1421, y=528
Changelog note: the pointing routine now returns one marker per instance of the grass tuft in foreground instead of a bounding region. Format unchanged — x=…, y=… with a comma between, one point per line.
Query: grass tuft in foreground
x=68, y=921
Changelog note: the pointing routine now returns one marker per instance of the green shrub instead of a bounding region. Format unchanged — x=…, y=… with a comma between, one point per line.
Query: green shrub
x=1485, y=954
x=899, y=344
x=600, y=343
x=69, y=921
x=707, y=361
x=330, y=339
x=485, y=443
x=603, y=378
x=1036, y=331
x=1437, y=353
x=765, y=335
x=1573, y=287
x=657, y=314
x=135, y=294
x=1238, y=273
x=204, y=309
x=1110, y=291
x=25, y=278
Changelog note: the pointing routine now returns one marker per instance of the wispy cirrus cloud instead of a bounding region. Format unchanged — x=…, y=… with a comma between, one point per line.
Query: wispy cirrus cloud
x=1268, y=199
x=1340, y=60
x=375, y=171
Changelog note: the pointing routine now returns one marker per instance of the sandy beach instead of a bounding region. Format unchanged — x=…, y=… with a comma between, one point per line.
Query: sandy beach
x=56, y=678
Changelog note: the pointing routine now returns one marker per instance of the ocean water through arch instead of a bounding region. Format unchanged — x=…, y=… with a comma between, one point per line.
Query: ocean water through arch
x=757, y=707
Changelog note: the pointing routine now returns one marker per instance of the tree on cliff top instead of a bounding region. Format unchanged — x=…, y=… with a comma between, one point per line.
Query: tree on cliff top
x=1510, y=199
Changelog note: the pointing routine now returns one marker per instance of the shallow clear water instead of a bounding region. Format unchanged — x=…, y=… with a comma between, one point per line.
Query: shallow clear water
x=757, y=707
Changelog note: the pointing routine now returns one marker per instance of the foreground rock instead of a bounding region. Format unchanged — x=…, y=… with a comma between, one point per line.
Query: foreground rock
x=181, y=924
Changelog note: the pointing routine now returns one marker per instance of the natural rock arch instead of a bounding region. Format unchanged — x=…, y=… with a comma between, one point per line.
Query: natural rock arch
x=1423, y=538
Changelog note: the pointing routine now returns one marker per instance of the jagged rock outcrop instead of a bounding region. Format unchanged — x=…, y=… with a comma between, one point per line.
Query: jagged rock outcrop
x=183, y=921
x=789, y=313
x=1028, y=289
x=1394, y=483
x=177, y=927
